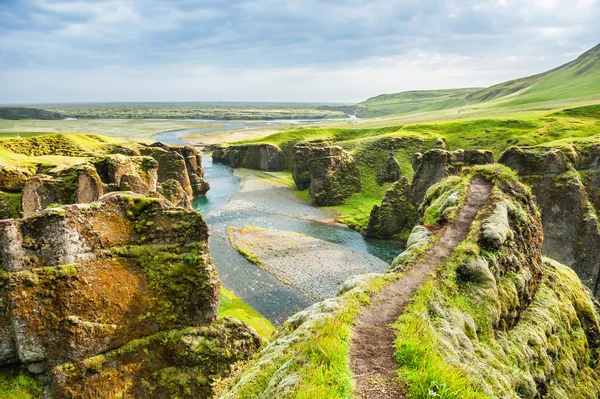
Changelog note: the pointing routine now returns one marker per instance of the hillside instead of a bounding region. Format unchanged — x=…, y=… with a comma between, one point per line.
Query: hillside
x=15, y=113
x=576, y=79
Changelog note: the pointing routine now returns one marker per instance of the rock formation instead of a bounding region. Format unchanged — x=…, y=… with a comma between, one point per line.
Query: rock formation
x=395, y=213
x=566, y=183
x=495, y=319
x=116, y=298
x=77, y=184
x=434, y=165
x=252, y=156
x=158, y=170
x=390, y=172
x=330, y=173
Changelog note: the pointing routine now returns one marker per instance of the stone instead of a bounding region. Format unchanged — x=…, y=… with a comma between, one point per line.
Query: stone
x=333, y=172
x=566, y=183
x=436, y=164
x=268, y=157
x=395, y=214
x=84, y=279
x=390, y=172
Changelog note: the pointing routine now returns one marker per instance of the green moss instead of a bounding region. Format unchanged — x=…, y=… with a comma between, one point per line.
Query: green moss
x=10, y=205
x=232, y=306
x=18, y=384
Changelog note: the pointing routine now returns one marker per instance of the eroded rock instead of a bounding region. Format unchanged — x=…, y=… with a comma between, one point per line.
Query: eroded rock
x=395, y=214
x=330, y=173
x=252, y=156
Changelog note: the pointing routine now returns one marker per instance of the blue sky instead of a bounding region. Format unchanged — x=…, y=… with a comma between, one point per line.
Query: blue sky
x=276, y=50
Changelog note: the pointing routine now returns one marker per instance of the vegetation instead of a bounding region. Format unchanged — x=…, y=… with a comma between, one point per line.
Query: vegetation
x=16, y=113
x=577, y=79
x=232, y=306
x=18, y=384
x=195, y=110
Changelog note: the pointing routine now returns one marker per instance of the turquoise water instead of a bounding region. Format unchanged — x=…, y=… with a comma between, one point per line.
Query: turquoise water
x=272, y=298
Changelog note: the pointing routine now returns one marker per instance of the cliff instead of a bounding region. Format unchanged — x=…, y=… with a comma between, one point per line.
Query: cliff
x=252, y=156
x=45, y=171
x=566, y=184
x=117, y=298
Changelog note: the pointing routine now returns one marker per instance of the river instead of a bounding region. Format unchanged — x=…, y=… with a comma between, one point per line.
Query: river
x=272, y=298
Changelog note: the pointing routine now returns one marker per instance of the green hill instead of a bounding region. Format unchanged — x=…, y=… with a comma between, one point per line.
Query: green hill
x=16, y=113
x=576, y=79
x=412, y=101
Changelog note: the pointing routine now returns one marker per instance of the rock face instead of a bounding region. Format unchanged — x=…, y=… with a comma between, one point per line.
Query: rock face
x=252, y=156
x=434, y=165
x=158, y=170
x=566, y=183
x=78, y=184
x=390, y=173
x=87, y=287
x=395, y=213
x=329, y=172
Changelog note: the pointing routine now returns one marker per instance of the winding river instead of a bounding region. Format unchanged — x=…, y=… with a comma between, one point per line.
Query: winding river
x=272, y=298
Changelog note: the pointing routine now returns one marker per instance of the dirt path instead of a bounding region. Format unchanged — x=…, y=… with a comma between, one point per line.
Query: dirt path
x=372, y=343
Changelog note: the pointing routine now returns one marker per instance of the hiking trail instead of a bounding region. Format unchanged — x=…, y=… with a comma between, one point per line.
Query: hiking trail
x=372, y=343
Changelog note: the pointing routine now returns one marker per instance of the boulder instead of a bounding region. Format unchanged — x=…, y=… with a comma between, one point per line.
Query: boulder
x=172, y=364
x=267, y=157
x=12, y=178
x=334, y=174
x=395, y=214
x=128, y=173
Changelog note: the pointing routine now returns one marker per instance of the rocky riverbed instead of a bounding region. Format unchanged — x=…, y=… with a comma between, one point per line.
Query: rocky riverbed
x=315, y=267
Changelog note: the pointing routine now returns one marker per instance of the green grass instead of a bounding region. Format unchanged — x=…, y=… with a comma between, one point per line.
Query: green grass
x=232, y=306
x=18, y=384
x=319, y=358
x=411, y=102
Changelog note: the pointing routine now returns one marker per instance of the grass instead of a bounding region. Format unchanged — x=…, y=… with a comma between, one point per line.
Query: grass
x=318, y=358
x=18, y=384
x=232, y=306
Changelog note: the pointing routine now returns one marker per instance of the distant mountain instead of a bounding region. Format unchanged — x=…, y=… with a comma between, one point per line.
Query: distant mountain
x=15, y=113
x=578, y=78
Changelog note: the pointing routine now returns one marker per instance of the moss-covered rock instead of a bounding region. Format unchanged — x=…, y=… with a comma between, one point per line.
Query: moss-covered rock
x=84, y=279
x=566, y=183
x=172, y=364
x=330, y=173
x=77, y=184
x=12, y=178
x=10, y=205
x=396, y=215
x=390, y=172
x=433, y=165
x=252, y=156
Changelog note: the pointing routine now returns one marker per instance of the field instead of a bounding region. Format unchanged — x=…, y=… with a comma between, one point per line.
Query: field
x=193, y=110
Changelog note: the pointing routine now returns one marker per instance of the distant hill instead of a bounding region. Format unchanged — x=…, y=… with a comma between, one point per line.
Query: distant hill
x=15, y=113
x=578, y=78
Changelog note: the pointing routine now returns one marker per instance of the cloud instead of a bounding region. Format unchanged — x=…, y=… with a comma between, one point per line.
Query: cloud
x=298, y=45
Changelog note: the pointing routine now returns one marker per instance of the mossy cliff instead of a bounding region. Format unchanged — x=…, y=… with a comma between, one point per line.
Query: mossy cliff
x=65, y=169
x=495, y=320
x=252, y=156
x=566, y=183
x=329, y=172
x=104, y=298
x=396, y=215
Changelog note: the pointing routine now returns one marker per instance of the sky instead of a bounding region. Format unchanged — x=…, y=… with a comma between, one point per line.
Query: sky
x=278, y=50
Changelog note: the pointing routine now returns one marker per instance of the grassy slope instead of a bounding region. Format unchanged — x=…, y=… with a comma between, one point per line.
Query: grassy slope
x=412, y=101
x=577, y=79
x=232, y=306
